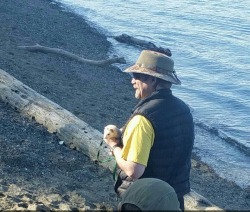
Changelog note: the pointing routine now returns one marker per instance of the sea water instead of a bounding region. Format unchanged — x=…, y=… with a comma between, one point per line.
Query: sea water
x=210, y=44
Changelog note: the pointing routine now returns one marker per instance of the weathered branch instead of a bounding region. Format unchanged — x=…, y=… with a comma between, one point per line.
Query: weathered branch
x=76, y=133
x=124, y=38
x=44, y=49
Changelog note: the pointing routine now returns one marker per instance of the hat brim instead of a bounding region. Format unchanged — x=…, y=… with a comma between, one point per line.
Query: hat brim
x=171, y=77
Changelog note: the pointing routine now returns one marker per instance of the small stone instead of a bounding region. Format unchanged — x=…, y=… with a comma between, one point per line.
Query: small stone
x=42, y=207
x=247, y=191
x=23, y=205
x=64, y=207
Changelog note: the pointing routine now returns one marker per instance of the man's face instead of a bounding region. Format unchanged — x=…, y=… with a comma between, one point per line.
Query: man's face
x=143, y=85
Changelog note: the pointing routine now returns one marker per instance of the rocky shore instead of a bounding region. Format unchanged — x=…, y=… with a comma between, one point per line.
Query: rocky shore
x=37, y=173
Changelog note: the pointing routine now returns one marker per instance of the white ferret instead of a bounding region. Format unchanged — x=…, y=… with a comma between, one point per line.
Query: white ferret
x=111, y=131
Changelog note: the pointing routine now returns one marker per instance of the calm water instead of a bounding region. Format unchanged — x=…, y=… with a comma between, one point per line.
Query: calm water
x=210, y=43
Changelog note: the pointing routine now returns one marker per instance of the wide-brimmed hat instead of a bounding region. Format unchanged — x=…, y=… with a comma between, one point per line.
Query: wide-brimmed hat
x=151, y=194
x=155, y=64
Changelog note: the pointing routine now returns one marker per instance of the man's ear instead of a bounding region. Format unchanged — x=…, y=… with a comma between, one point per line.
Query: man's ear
x=154, y=81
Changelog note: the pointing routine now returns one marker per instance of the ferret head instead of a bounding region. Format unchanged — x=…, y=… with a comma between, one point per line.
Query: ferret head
x=111, y=131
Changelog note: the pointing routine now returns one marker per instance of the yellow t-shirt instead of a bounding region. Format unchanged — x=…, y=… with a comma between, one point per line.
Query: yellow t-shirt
x=138, y=139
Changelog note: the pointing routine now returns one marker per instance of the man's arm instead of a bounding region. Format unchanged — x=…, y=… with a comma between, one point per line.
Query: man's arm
x=137, y=141
x=132, y=169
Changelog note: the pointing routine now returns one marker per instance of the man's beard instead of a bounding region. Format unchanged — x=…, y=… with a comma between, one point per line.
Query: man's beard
x=137, y=94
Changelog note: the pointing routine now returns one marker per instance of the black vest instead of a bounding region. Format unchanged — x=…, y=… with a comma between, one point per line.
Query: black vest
x=170, y=156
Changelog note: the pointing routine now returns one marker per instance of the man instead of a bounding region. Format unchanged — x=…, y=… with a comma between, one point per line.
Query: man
x=149, y=194
x=158, y=137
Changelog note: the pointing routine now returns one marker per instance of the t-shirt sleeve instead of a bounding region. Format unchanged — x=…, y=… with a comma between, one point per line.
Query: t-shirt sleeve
x=138, y=139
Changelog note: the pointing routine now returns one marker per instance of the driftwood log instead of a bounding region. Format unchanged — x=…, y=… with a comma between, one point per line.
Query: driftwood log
x=124, y=38
x=75, y=133
x=44, y=49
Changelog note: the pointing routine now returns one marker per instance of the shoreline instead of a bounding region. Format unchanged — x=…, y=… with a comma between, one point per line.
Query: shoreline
x=84, y=90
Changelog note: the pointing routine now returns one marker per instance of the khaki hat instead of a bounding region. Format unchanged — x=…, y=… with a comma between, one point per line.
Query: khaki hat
x=151, y=194
x=155, y=64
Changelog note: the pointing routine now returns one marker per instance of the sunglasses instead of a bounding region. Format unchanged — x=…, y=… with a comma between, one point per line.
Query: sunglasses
x=137, y=76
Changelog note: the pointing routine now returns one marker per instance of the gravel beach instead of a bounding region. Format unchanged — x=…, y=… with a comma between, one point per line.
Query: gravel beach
x=37, y=173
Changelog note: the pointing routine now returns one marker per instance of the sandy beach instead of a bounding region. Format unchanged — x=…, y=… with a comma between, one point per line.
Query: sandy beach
x=37, y=173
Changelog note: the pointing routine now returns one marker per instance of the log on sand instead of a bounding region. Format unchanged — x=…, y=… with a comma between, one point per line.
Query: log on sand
x=44, y=49
x=124, y=38
x=76, y=133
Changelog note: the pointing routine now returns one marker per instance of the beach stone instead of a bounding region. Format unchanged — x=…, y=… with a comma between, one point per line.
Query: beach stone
x=247, y=191
x=3, y=188
x=54, y=198
x=64, y=207
x=23, y=205
x=42, y=207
